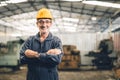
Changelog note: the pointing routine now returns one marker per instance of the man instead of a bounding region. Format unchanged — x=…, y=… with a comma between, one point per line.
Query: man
x=42, y=52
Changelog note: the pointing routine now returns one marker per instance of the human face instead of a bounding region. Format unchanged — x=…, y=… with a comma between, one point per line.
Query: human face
x=44, y=25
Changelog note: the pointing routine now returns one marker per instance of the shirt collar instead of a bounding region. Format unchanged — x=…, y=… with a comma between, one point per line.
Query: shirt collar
x=49, y=37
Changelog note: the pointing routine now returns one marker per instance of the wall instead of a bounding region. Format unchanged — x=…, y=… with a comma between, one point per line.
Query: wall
x=85, y=42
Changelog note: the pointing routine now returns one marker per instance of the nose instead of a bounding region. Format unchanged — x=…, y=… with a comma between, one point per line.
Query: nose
x=44, y=24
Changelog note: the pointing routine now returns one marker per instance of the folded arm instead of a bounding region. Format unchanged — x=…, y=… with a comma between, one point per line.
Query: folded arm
x=51, y=57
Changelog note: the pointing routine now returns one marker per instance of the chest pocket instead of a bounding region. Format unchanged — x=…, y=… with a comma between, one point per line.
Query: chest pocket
x=36, y=46
x=47, y=45
x=42, y=47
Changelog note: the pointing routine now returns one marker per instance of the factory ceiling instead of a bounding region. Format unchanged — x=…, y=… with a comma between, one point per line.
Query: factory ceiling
x=69, y=16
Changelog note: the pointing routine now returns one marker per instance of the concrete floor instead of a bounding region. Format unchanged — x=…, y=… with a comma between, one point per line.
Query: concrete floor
x=63, y=75
x=86, y=75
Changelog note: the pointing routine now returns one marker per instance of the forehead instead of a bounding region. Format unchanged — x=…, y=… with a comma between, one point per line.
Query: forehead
x=43, y=19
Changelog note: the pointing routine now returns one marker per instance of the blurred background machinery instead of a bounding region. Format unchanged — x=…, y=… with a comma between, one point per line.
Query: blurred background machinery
x=9, y=54
x=102, y=58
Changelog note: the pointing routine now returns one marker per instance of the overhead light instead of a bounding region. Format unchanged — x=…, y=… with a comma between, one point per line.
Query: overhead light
x=15, y=1
x=72, y=0
x=4, y=3
x=71, y=19
x=100, y=3
x=69, y=24
x=93, y=18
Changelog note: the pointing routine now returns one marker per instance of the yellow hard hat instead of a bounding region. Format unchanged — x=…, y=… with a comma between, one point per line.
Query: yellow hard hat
x=44, y=13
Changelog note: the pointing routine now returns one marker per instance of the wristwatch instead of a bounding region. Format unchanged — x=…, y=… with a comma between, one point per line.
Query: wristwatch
x=37, y=55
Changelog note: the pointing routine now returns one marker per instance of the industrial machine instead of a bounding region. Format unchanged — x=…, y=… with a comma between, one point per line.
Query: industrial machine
x=102, y=60
x=9, y=54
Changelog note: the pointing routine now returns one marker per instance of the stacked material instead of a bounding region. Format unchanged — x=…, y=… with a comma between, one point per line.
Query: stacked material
x=116, y=68
x=71, y=58
x=117, y=73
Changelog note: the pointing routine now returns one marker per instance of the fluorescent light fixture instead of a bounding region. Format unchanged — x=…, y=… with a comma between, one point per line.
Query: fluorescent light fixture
x=71, y=19
x=3, y=3
x=93, y=18
x=69, y=24
x=15, y=1
x=72, y=0
x=100, y=3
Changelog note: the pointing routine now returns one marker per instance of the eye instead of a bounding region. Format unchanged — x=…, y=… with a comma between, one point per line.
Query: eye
x=48, y=21
x=41, y=21
x=44, y=21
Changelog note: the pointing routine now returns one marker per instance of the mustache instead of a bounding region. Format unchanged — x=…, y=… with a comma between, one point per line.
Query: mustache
x=43, y=27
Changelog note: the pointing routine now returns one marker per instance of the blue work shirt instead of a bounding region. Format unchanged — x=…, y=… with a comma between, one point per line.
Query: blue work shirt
x=44, y=67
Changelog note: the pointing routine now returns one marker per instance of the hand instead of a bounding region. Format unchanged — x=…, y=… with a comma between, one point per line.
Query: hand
x=31, y=54
x=54, y=51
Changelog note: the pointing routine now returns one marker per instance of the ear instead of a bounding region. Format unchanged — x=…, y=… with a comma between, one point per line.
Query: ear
x=50, y=24
x=36, y=22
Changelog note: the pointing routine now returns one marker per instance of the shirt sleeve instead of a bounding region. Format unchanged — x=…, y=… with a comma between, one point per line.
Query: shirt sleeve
x=23, y=59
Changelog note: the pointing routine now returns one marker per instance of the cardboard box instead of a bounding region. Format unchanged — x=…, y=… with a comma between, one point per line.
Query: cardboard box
x=69, y=65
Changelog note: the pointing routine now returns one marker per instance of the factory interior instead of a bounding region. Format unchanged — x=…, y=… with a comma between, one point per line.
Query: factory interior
x=89, y=31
